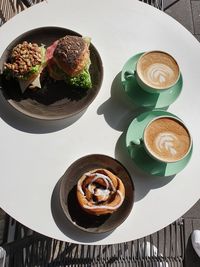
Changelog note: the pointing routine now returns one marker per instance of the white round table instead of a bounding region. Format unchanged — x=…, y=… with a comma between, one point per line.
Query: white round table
x=35, y=154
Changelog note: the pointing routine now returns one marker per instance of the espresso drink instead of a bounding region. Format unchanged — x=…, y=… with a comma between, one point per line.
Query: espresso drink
x=158, y=69
x=167, y=139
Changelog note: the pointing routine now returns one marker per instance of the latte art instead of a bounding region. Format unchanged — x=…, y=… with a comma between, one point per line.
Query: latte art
x=159, y=74
x=158, y=70
x=167, y=139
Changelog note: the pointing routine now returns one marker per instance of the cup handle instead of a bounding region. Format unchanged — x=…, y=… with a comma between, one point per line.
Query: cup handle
x=155, y=172
x=129, y=74
x=134, y=144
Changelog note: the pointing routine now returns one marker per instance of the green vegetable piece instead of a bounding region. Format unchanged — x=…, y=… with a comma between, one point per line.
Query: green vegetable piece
x=82, y=80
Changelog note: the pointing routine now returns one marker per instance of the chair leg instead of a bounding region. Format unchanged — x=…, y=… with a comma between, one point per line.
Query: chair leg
x=168, y=4
x=27, y=3
x=161, y=4
x=156, y=3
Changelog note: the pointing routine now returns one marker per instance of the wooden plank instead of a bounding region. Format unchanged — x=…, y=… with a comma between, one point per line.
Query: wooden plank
x=2, y=224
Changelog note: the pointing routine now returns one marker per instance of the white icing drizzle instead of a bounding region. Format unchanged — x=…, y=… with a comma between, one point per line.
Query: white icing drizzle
x=166, y=141
x=100, y=191
x=106, y=179
x=80, y=188
x=102, y=207
x=97, y=175
x=159, y=73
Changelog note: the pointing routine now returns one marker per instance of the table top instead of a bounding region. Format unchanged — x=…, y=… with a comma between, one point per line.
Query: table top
x=35, y=154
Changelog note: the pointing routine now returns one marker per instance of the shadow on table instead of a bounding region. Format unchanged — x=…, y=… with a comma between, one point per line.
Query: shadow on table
x=143, y=181
x=119, y=110
x=25, y=123
x=66, y=226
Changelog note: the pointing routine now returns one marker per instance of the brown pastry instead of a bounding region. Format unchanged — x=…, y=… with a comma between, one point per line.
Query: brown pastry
x=100, y=192
x=71, y=54
x=68, y=59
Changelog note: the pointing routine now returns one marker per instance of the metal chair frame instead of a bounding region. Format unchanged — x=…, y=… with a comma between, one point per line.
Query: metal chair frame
x=32, y=249
x=161, y=4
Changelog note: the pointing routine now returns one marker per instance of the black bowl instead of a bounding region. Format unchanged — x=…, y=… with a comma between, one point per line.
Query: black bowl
x=56, y=99
x=69, y=202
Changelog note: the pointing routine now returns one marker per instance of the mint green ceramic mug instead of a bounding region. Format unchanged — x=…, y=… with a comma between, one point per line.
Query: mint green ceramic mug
x=166, y=139
x=156, y=71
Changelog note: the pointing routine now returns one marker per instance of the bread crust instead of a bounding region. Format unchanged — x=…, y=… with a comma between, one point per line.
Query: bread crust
x=71, y=54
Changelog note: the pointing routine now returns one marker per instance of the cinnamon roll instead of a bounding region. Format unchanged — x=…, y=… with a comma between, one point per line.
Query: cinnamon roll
x=100, y=192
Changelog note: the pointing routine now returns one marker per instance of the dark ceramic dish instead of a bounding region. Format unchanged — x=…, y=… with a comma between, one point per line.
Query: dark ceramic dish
x=55, y=100
x=69, y=203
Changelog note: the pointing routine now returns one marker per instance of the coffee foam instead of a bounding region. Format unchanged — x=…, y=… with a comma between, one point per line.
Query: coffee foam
x=167, y=139
x=158, y=69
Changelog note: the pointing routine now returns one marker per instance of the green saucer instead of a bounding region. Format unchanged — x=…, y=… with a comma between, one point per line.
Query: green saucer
x=138, y=153
x=145, y=99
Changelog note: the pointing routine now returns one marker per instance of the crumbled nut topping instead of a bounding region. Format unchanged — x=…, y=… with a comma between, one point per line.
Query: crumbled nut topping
x=23, y=57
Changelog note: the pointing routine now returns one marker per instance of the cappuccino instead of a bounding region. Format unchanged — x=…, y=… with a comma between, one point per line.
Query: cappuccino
x=167, y=139
x=158, y=70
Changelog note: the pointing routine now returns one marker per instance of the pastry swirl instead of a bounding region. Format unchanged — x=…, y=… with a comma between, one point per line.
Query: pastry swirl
x=100, y=192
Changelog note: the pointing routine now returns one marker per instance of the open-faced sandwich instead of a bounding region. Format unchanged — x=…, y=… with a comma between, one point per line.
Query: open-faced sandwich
x=68, y=59
x=26, y=62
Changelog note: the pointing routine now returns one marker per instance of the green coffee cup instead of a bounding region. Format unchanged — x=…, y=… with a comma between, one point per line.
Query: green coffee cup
x=166, y=139
x=155, y=72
